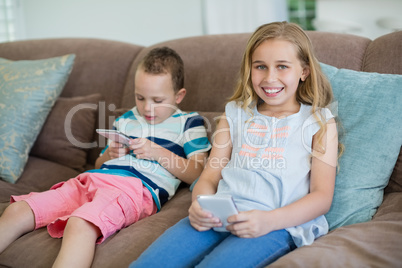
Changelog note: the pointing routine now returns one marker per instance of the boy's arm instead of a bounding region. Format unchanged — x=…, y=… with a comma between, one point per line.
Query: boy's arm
x=186, y=170
x=114, y=150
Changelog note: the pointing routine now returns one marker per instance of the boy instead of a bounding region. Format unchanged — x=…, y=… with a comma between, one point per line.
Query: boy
x=166, y=147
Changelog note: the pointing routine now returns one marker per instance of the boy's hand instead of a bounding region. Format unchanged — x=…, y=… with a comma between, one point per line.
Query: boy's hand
x=250, y=224
x=117, y=150
x=145, y=149
x=200, y=219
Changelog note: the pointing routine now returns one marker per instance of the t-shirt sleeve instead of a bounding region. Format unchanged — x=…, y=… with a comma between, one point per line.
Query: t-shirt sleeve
x=195, y=136
x=311, y=126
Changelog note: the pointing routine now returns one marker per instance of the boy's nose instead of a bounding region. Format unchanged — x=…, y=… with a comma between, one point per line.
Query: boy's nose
x=147, y=106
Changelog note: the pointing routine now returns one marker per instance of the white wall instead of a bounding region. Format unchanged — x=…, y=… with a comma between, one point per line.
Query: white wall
x=360, y=13
x=239, y=16
x=142, y=22
x=147, y=22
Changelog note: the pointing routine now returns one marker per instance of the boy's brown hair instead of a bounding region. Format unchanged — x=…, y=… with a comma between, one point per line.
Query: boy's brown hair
x=164, y=60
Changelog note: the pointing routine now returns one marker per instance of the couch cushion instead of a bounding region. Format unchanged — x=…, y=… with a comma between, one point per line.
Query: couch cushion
x=38, y=176
x=384, y=55
x=369, y=107
x=100, y=66
x=395, y=182
x=371, y=244
x=28, y=91
x=68, y=132
x=340, y=50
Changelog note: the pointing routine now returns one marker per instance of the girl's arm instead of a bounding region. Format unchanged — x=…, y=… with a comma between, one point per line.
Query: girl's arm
x=255, y=223
x=210, y=177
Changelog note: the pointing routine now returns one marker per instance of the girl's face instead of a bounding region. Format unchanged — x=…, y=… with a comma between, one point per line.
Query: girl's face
x=275, y=74
x=155, y=97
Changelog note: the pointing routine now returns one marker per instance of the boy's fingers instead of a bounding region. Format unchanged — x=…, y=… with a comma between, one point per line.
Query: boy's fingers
x=116, y=144
x=136, y=143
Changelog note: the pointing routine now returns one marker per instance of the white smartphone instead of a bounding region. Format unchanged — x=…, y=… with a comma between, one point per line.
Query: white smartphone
x=221, y=206
x=114, y=135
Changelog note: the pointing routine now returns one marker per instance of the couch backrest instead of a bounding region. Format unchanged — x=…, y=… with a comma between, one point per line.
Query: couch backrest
x=100, y=65
x=384, y=54
x=212, y=64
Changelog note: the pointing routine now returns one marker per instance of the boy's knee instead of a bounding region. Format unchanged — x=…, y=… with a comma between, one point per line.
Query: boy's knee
x=21, y=215
x=80, y=226
x=18, y=209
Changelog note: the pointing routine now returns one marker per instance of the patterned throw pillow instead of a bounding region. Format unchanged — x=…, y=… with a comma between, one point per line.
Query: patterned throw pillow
x=28, y=90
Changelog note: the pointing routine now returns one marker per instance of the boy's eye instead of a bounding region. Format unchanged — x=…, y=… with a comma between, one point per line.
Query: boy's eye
x=158, y=101
x=140, y=98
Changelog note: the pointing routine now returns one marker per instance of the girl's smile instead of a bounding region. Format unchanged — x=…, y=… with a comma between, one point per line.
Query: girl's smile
x=272, y=91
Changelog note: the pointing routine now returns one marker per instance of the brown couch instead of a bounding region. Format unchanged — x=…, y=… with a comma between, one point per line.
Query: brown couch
x=211, y=63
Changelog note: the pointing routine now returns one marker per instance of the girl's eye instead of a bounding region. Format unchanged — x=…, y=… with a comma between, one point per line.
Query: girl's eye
x=261, y=67
x=282, y=67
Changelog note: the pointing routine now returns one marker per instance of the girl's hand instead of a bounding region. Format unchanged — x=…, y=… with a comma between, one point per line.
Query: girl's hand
x=250, y=224
x=145, y=149
x=202, y=220
x=117, y=150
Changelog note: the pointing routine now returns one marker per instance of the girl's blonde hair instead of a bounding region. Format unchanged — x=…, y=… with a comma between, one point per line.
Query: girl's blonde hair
x=315, y=90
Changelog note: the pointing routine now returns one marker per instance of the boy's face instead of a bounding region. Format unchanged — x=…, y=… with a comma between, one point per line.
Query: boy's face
x=155, y=97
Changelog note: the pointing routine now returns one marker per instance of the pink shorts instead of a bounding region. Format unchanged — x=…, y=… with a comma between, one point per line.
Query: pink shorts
x=109, y=202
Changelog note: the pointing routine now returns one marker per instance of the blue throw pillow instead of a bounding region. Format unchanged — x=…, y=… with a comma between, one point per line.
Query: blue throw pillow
x=369, y=109
x=28, y=90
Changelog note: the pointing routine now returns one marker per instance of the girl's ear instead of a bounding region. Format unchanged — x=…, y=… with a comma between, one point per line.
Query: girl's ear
x=180, y=95
x=305, y=73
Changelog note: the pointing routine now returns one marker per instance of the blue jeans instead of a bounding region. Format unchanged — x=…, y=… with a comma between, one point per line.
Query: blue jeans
x=183, y=246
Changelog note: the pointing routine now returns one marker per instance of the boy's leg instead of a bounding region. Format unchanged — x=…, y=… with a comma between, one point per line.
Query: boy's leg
x=250, y=252
x=180, y=246
x=78, y=245
x=16, y=220
x=110, y=210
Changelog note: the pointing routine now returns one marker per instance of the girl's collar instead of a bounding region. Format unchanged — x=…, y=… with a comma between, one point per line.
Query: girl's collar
x=280, y=115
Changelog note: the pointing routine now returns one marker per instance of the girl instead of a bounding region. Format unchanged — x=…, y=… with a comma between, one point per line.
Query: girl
x=275, y=151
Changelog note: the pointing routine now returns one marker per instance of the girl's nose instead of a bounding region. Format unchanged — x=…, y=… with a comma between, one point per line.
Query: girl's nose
x=271, y=75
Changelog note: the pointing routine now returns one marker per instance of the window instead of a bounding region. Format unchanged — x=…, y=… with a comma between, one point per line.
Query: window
x=302, y=12
x=8, y=20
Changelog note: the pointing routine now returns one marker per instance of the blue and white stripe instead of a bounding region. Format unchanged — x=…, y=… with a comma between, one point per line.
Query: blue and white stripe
x=182, y=133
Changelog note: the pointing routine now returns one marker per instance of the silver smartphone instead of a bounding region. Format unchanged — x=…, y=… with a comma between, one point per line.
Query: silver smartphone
x=221, y=206
x=114, y=135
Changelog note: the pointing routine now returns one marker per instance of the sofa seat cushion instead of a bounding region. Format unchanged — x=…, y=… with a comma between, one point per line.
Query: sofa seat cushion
x=370, y=244
x=28, y=90
x=40, y=250
x=39, y=175
x=369, y=109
